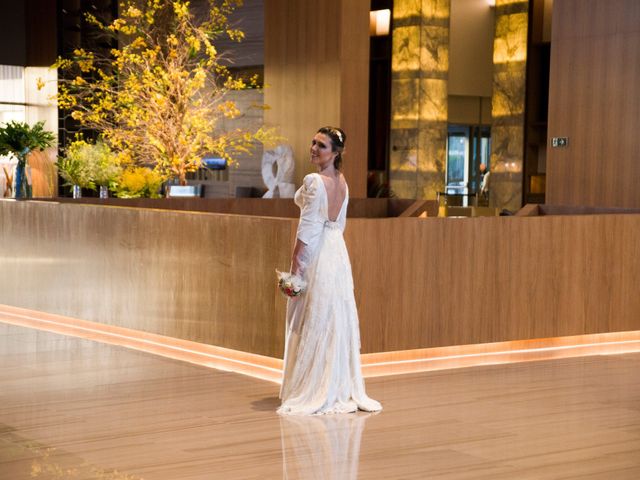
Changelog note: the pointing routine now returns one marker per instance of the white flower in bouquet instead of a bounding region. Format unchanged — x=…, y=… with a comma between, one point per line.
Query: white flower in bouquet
x=290, y=285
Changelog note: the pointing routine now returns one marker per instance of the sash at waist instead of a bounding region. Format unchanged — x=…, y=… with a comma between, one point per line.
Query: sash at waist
x=331, y=225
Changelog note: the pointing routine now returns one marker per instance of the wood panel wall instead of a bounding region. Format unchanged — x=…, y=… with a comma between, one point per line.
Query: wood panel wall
x=41, y=32
x=444, y=281
x=419, y=282
x=13, y=42
x=593, y=100
x=317, y=74
x=186, y=275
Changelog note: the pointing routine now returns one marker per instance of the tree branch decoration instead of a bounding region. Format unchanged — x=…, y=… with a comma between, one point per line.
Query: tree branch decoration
x=159, y=99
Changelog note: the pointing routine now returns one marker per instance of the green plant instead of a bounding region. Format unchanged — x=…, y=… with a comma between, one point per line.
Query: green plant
x=135, y=182
x=76, y=167
x=105, y=167
x=18, y=139
x=89, y=165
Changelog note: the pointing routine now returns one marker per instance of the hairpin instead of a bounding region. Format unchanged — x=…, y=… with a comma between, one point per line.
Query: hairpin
x=338, y=134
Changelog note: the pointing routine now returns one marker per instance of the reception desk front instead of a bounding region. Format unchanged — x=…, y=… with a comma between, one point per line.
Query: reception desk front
x=420, y=282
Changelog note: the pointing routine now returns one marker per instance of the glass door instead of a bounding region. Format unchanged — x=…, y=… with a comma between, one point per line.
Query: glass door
x=468, y=146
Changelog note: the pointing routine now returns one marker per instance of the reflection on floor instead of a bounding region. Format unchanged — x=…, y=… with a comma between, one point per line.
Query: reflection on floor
x=76, y=409
x=323, y=446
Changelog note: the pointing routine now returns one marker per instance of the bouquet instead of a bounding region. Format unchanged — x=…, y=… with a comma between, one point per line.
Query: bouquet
x=290, y=285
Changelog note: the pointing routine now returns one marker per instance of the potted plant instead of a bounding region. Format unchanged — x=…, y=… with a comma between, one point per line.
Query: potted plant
x=76, y=167
x=18, y=139
x=105, y=167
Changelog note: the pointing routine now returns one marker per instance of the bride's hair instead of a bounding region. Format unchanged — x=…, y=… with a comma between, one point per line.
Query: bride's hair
x=337, y=137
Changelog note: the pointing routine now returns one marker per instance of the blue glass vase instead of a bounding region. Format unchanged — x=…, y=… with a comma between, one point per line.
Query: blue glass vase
x=21, y=185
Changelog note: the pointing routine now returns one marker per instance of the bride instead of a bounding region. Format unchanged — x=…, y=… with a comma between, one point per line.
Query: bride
x=322, y=351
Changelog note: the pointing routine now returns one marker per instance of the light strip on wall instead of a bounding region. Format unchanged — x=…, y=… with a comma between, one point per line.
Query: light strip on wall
x=373, y=364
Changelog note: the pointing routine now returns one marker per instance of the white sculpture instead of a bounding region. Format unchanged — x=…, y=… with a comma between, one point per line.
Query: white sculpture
x=281, y=184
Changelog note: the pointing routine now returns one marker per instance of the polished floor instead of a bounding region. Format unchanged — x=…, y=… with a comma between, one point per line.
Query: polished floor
x=76, y=409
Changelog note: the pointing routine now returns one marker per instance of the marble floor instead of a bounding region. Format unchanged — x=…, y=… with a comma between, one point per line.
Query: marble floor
x=76, y=409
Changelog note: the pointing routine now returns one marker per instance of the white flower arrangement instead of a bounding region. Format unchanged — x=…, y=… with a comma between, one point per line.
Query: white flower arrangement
x=290, y=285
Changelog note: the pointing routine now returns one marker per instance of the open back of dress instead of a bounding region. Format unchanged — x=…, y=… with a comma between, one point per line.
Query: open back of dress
x=335, y=209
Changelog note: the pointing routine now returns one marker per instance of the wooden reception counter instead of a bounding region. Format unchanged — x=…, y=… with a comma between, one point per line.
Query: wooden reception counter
x=420, y=282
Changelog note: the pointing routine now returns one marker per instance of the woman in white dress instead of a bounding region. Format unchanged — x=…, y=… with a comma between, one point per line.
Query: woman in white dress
x=322, y=350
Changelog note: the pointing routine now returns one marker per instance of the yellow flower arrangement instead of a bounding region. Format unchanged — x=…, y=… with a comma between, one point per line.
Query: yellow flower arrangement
x=135, y=182
x=160, y=97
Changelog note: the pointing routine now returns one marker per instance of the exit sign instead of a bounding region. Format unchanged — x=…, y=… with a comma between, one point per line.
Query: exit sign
x=560, y=142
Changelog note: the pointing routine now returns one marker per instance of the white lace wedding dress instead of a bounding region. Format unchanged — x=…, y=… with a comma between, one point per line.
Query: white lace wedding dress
x=322, y=350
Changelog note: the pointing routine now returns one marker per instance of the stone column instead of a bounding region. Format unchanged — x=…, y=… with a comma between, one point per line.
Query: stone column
x=420, y=64
x=507, y=109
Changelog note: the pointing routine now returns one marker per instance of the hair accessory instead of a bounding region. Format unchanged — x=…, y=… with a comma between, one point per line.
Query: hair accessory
x=338, y=134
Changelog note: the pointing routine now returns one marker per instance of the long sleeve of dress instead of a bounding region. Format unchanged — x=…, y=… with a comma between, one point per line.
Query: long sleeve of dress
x=311, y=222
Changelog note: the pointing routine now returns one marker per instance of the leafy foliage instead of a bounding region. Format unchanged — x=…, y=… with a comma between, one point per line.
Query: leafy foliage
x=105, y=164
x=18, y=139
x=89, y=164
x=160, y=98
x=76, y=166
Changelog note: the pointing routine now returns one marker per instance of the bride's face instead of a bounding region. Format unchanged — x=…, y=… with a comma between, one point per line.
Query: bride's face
x=321, y=152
